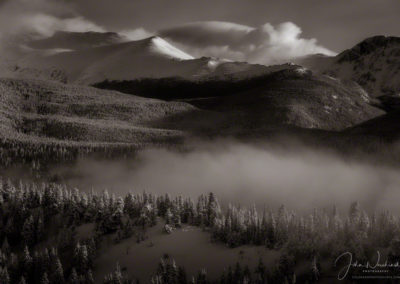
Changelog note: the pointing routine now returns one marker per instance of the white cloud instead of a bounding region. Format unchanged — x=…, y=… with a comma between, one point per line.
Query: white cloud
x=45, y=25
x=265, y=45
x=24, y=20
x=136, y=34
x=40, y=18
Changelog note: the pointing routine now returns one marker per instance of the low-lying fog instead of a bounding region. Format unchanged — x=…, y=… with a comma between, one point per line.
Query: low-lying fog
x=246, y=174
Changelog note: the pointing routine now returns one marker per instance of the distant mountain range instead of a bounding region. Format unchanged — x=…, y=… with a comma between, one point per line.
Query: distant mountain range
x=92, y=57
x=107, y=56
x=337, y=93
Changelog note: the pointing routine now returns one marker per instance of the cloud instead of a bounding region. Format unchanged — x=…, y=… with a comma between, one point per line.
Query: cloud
x=136, y=34
x=42, y=17
x=24, y=20
x=265, y=45
x=45, y=25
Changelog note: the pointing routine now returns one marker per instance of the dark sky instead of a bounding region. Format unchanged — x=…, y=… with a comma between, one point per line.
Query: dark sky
x=337, y=24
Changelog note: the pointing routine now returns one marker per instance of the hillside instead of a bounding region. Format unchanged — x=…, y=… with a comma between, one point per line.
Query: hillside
x=34, y=110
x=373, y=63
x=386, y=127
x=293, y=97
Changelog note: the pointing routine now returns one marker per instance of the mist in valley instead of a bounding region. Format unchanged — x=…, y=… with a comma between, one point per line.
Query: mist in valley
x=298, y=177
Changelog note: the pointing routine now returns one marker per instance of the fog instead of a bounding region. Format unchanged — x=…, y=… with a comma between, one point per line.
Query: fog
x=246, y=174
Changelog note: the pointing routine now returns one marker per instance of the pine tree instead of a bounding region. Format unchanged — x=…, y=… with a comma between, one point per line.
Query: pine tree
x=45, y=279
x=45, y=260
x=89, y=277
x=212, y=209
x=314, y=269
x=238, y=274
x=28, y=231
x=355, y=213
x=182, y=278
x=260, y=271
x=5, y=247
x=39, y=232
x=4, y=276
x=58, y=272
x=73, y=277
x=117, y=275
x=229, y=277
x=168, y=217
x=247, y=275
x=81, y=259
x=26, y=262
x=201, y=277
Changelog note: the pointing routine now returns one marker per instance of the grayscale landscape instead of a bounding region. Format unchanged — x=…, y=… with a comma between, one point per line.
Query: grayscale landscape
x=176, y=142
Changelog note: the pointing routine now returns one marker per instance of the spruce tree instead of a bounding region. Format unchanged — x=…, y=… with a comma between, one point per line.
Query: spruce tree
x=89, y=277
x=28, y=231
x=4, y=276
x=73, y=277
x=260, y=271
x=182, y=278
x=58, y=272
x=44, y=279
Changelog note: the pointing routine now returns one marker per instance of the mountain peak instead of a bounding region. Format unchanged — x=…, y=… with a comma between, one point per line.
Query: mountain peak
x=368, y=46
x=160, y=46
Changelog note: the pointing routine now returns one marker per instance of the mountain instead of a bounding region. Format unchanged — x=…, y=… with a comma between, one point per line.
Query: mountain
x=374, y=63
x=77, y=40
x=292, y=98
x=45, y=111
x=289, y=96
x=153, y=57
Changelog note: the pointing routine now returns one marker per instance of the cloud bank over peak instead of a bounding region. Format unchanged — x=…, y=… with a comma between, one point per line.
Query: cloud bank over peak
x=42, y=18
x=24, y=20
x=266, y=44
x=136, y=34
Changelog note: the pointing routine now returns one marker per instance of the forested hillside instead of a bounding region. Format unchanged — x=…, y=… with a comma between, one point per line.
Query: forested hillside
x=41, y=243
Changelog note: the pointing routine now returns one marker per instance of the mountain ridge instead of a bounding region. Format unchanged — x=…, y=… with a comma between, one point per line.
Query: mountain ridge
x=374, y=63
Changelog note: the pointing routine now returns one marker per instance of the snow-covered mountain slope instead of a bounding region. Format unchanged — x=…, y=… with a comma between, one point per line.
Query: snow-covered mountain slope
x=373, y=63
x=153, y=57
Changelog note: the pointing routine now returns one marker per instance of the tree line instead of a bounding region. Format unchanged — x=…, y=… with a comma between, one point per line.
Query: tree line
x=39, y=243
